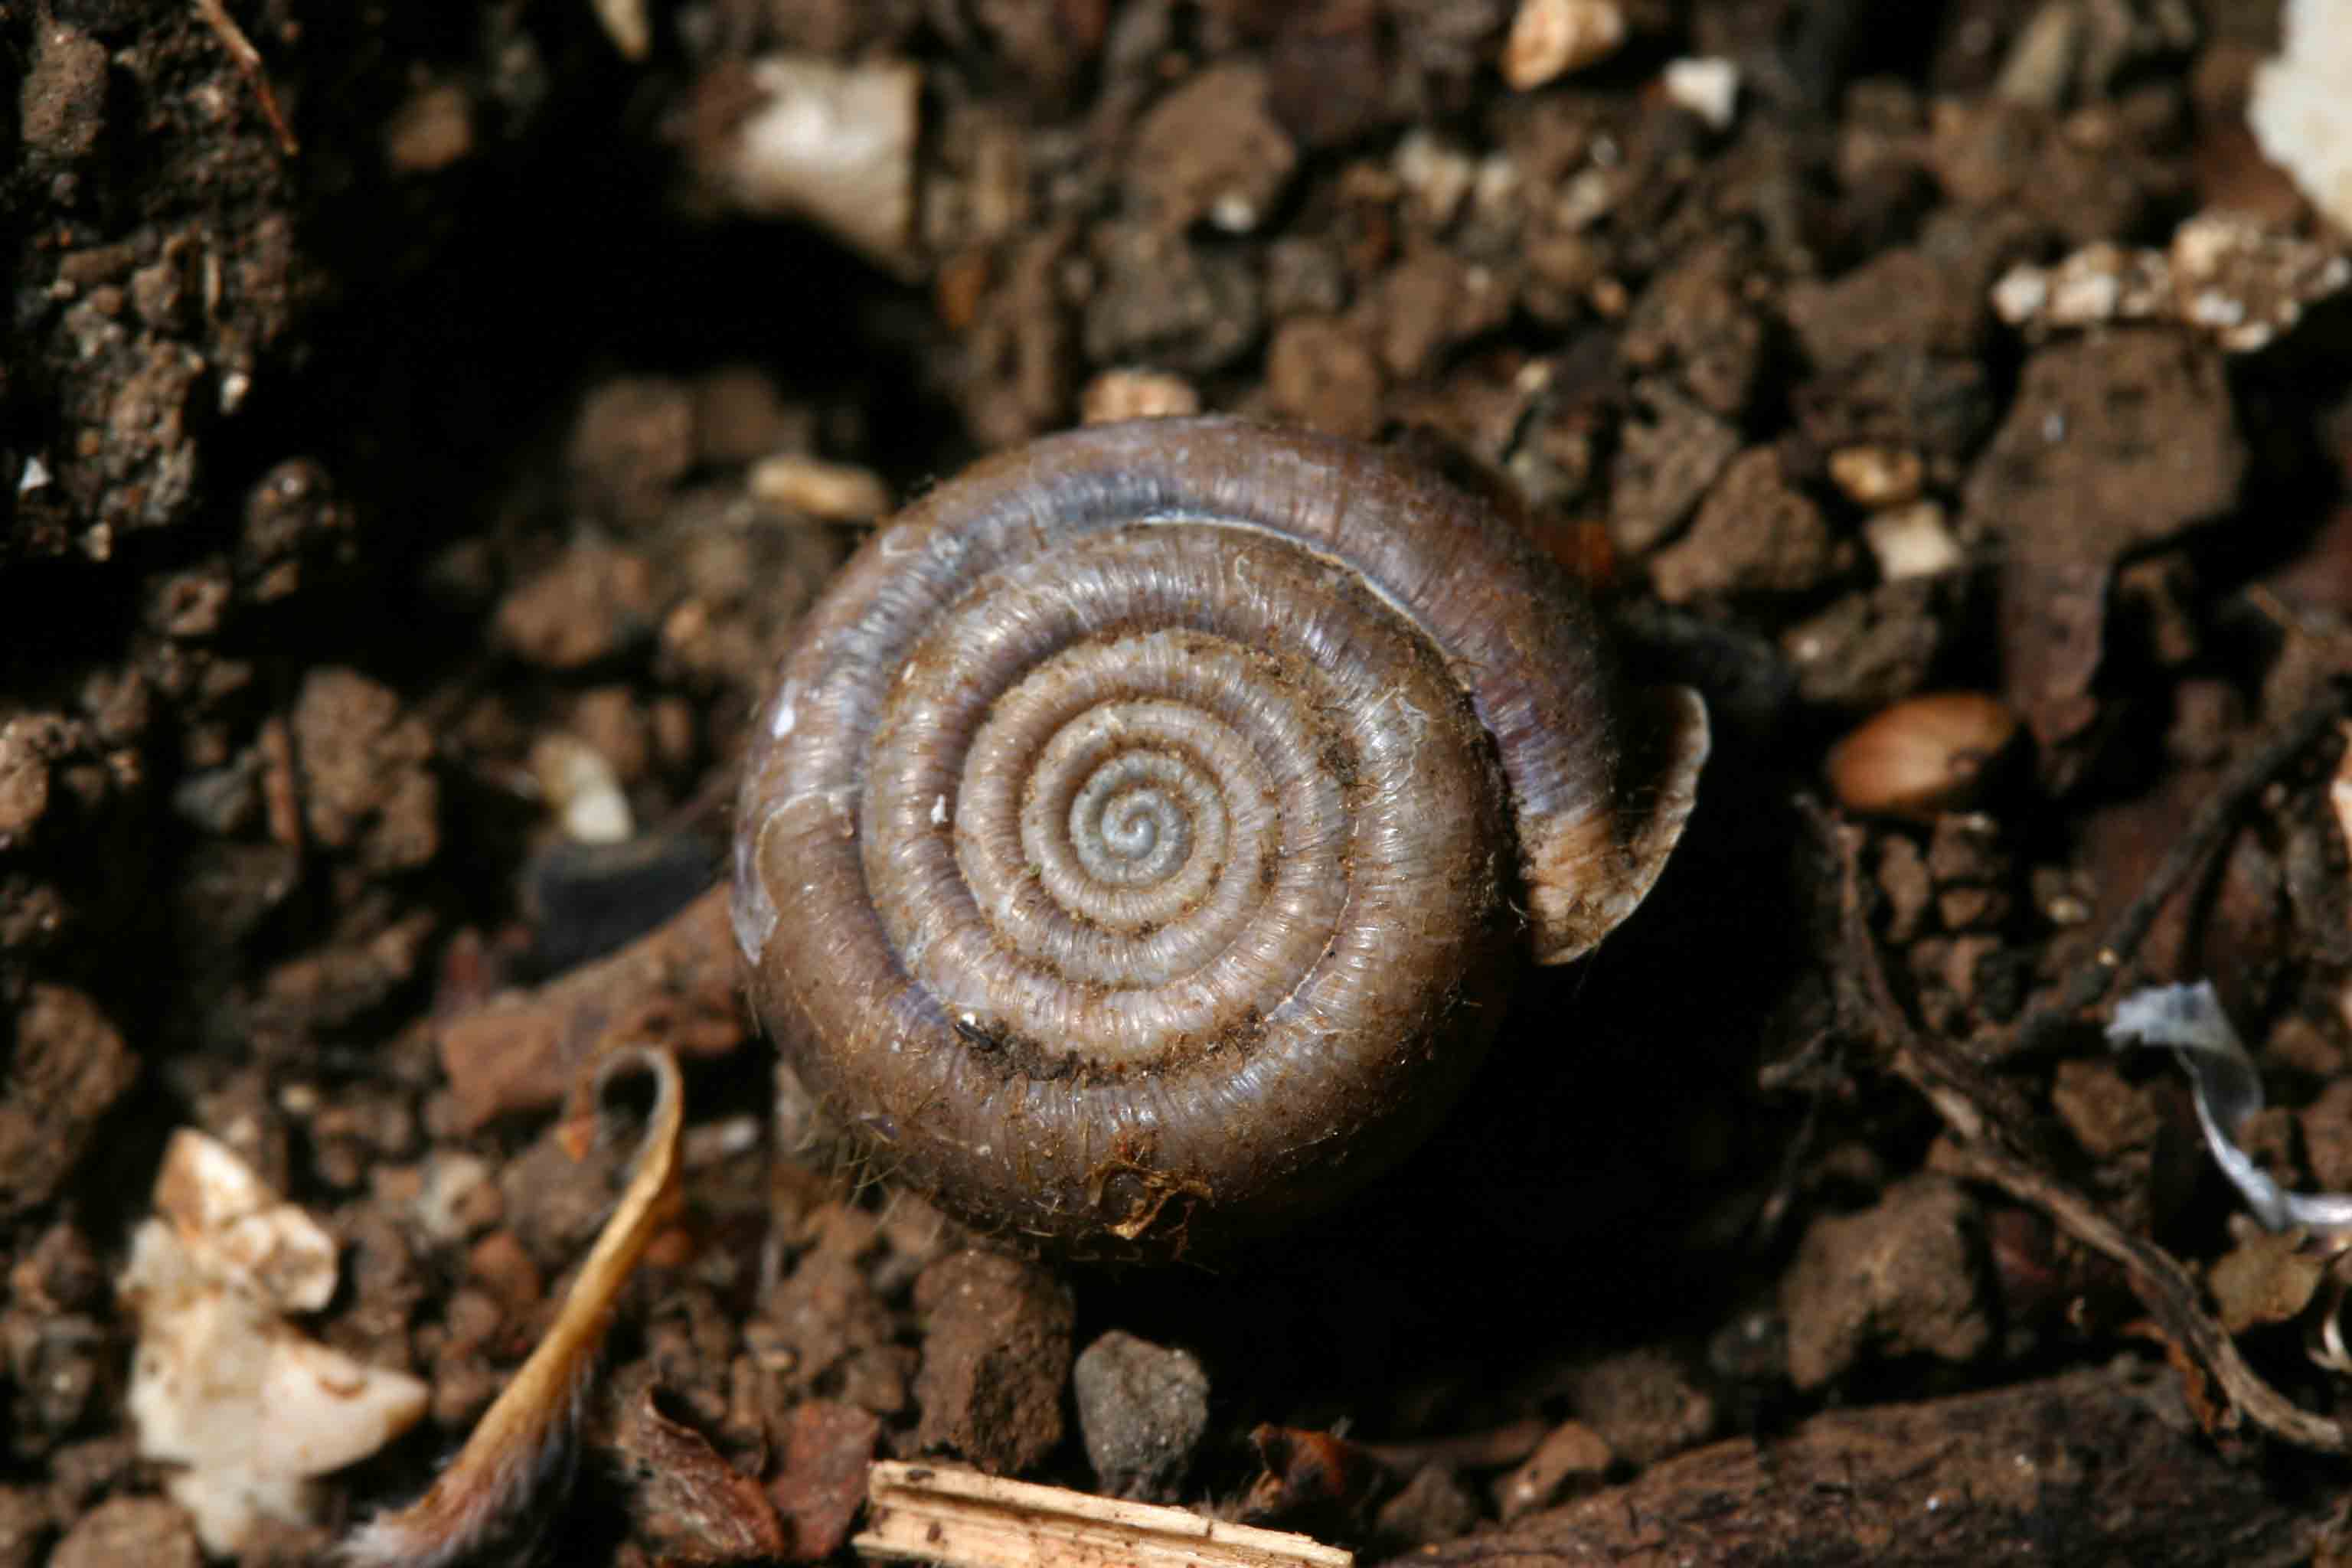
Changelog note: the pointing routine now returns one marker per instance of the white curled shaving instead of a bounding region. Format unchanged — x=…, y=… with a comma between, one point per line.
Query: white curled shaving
x=2189, y=1019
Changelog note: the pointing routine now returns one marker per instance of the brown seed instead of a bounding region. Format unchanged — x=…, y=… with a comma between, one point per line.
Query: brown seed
x=1923, y=756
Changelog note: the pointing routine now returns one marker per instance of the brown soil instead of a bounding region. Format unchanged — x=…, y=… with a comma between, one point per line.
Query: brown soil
x=392, y=422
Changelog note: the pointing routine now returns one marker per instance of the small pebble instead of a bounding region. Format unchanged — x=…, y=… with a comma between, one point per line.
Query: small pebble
x=1912, y=542
x=832, y=492
x=577, y=780
x=1571, y=1458
x=830, y=143
x=147, y=1530
x=1876, y=476
x=1709, y=88
x=1550, y=38
x=1432, y=1506
x=1116, y=395
x=1142, y=1409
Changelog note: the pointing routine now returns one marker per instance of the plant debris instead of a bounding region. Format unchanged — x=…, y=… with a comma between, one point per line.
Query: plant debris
x=524, y=1444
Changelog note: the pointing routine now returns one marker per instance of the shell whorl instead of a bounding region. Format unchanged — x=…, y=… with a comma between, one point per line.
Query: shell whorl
x=1136, y=845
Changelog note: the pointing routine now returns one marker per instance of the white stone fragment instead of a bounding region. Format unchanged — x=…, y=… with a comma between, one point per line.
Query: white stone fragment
x=450, y=1182
x=2099, y=283
x=579, y=783
x=1438, y=175
x=1233, y=212
x=2300, y=108
x=2021, y=294
x=833, y=143
x=2245, y=283
x=2225, y=274
x=222, y=1211
x=1708, y=87
x=222, y=1384
x=1912, y=542
x=1136, y=394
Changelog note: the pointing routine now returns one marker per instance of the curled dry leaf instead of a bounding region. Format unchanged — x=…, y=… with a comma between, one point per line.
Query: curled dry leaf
x=525, y=1440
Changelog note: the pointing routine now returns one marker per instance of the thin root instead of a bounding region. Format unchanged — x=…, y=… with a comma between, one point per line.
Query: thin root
x=249, y=64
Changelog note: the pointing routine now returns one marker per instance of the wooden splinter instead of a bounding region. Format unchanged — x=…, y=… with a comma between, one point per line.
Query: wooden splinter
x=961, y=1519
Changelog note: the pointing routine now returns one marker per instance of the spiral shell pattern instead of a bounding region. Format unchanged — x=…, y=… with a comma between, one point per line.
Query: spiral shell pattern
x=1135, y=848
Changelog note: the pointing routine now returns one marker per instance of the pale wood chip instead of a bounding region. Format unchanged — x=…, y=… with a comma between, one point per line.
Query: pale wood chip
x=965, y=1520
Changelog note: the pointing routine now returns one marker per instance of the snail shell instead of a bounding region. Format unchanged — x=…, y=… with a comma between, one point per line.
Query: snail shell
x=1147, y=827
